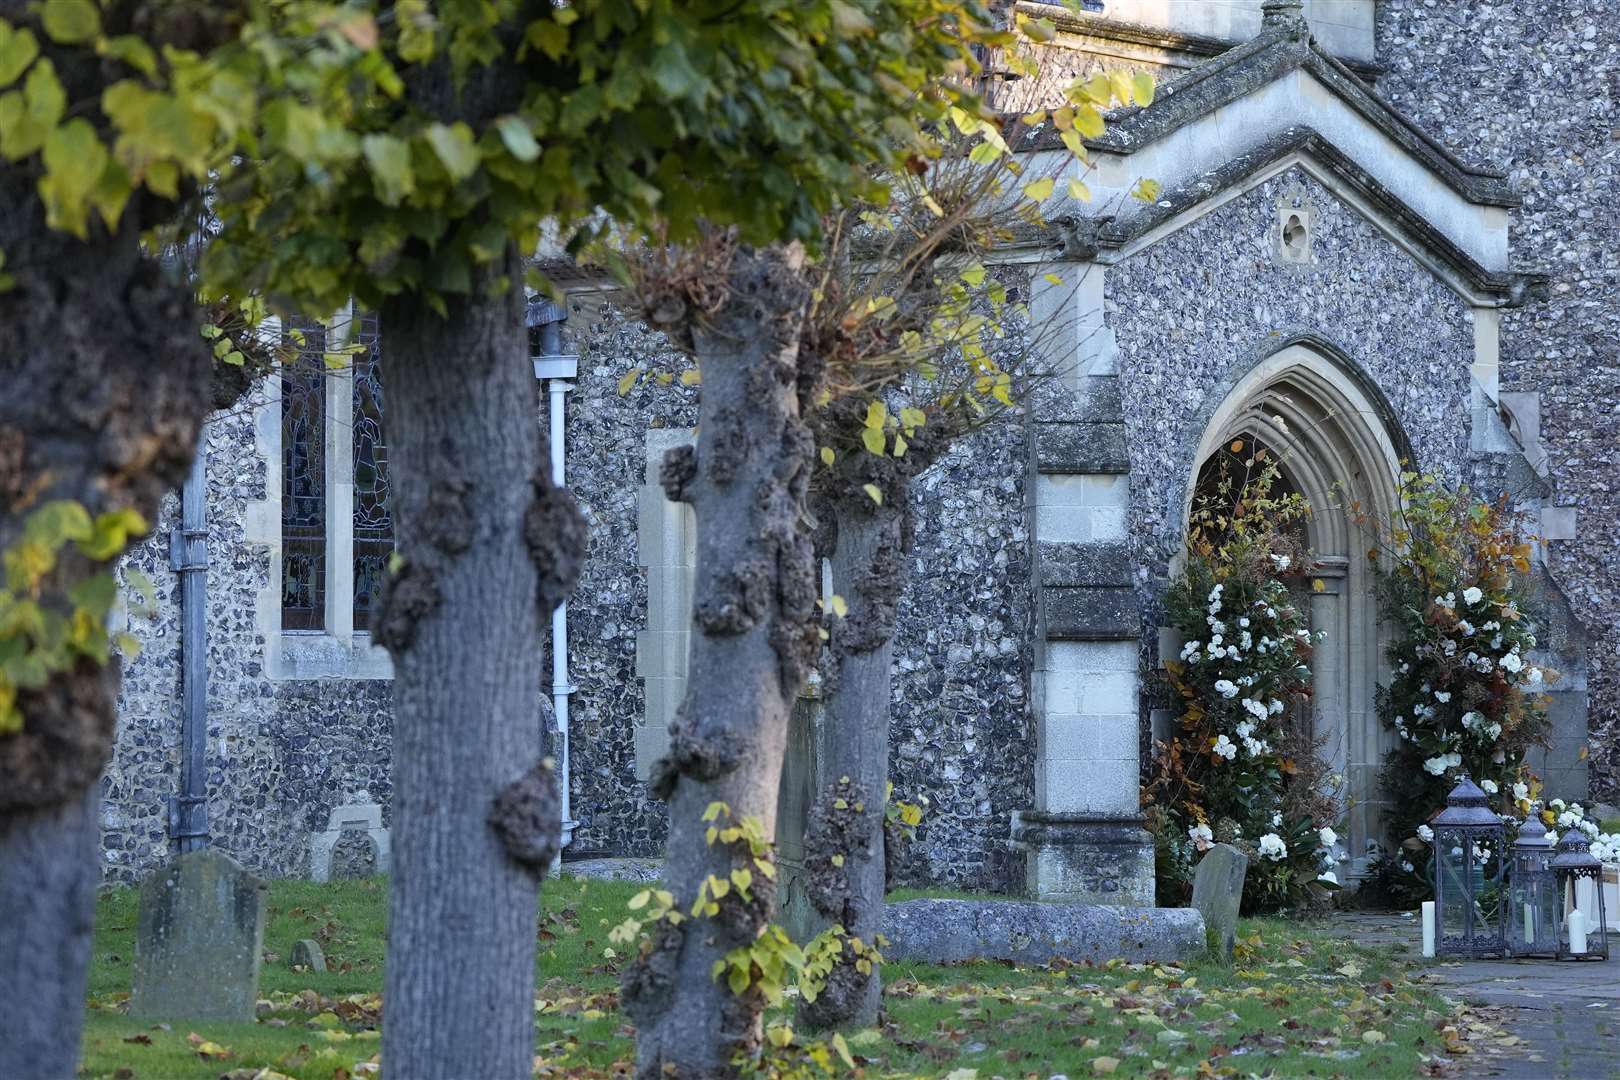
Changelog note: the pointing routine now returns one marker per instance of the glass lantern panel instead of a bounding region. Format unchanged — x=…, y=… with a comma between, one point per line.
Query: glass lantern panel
x=1454, y=870
x=1538, y=913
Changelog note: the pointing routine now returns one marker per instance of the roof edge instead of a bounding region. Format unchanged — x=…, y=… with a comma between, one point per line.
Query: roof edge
x=1157, y=36
x=1273, y=53
x=1092, y=235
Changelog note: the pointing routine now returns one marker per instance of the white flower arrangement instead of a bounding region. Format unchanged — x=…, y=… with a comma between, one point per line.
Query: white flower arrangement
x=1272, y=847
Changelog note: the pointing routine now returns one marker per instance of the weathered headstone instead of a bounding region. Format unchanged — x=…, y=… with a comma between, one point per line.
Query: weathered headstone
x=362, y=814
x=354, y=855
x=1218, y=894
x=198, y=940
x=306, y=953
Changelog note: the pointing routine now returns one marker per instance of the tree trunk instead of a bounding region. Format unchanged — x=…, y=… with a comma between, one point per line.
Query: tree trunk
x=755, y=638
x=488, y=548
x=48, y=877
x=104, y=383
x=844, y=844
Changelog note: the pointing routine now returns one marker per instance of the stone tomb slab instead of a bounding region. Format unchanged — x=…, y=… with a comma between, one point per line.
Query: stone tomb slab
x=1218, y=894
x=1031, y=932
x=198, y=941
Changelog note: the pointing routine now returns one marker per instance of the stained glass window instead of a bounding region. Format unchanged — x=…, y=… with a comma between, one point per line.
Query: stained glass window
x=303, y=485
x=373, y=522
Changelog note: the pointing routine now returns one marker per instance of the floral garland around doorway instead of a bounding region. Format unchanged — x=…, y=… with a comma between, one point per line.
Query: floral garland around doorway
x=1466, y=695
x=1243, y=768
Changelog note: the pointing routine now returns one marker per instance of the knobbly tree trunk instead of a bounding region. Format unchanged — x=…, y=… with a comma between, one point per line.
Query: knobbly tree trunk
x=104, y=383
x=754, y=640
x=48, y=876
x=867, y=546
x=489, y=547
x=847, y=817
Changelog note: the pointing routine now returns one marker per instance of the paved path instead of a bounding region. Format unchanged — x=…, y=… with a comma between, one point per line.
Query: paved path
x=1568, y=1014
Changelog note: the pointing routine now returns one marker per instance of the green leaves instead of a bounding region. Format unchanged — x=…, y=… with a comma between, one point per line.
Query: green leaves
x=518, y=137
x=28, y=116
x=74, y=163
x=70, y=21
x=1142, y=88
x=390, y=161
x=18, y=48
x=455, y=148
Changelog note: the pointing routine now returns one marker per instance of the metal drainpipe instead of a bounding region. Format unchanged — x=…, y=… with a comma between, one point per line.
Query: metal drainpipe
x=545, y=321
x=188, y=557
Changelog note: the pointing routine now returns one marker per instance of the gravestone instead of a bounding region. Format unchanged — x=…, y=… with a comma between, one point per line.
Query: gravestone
x=361, y=815
x=1218, y=894
x=198, y=941
x=306, y=953
x=353, y=856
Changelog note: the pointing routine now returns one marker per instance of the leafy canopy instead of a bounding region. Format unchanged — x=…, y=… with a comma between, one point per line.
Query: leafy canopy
x=652, y=114
x=337, y=176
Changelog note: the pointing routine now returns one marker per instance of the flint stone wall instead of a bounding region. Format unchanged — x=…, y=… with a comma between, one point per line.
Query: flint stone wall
x=1530, y=86
x=284, y=753
x=281, y=754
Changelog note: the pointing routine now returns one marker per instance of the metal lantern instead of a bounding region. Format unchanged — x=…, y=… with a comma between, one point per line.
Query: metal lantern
x=1580, y=936
x=1534, y=899
x=1468, y=901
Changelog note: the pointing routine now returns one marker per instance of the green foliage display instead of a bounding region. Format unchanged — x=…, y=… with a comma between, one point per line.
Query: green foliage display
x=1243, y=768
x=1466, y=697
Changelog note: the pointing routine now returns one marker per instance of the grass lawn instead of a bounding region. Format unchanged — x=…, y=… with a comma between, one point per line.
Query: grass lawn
x=1298, y=1002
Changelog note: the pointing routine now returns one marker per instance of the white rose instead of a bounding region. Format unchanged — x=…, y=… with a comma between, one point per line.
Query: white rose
x=1472, y=595
x=1225, y=748
x=1425, y=833
x=1521, y=791
x=1435, y=766
x=1488, y=786
x=1327, y=837
x=1272, y=847
x=1226, y=688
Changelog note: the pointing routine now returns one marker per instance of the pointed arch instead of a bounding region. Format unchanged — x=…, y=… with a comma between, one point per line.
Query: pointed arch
x=1340, y=445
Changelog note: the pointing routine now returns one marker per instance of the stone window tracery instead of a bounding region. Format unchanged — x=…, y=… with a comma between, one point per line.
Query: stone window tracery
x=336, y=523
x=373, y=519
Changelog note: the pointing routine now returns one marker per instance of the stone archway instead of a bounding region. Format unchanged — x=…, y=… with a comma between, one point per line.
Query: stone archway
x=1337, y=442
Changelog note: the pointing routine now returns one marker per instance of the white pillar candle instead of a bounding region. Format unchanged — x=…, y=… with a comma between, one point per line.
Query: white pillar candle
x=1529, y=924
x=1577, y=932
x=1586, y=898
x=1428, y=928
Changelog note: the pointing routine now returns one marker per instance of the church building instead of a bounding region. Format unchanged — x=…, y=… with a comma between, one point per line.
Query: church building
x=1383, y=239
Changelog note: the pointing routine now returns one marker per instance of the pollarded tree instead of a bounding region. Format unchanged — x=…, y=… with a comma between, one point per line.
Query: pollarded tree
x=106, y=382
x=932, y=349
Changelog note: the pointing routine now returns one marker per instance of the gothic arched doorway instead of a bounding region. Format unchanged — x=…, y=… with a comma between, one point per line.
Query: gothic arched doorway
x=1335, y=441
